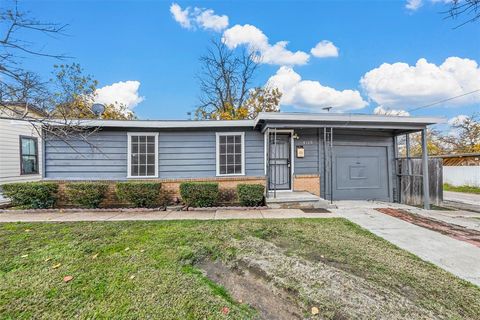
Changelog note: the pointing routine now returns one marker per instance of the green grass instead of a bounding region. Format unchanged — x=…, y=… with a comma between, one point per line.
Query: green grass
x=466, y=189
x=166, y=284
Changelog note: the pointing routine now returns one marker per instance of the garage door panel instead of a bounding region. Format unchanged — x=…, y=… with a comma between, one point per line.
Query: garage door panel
x=360, y=172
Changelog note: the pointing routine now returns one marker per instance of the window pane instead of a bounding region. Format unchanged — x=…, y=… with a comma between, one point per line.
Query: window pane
x=230, y=148
x=151, y=148
x=230, y=139
x=29, y=164
x=150, y=139
x=150, y=170
x=230, y=159
x=142, y=159
x=223, y=139
x=223, y=170
x=28, y=146
x=222, y=159
x=238, y=148
x=151, y=159
x=134, y=159
x=142, y=139
x=238, y=159
x=230, y=169
x=134, y=170
x=223, y=148
x=134, y=139
x=134, y=147
x=238, y=169
x=142, y=170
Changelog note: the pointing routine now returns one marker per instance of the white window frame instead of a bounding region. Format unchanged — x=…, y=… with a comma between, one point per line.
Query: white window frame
x=129, y=154
x=218, y=135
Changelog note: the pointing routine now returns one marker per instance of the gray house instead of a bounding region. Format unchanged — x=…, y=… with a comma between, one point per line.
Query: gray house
x=332, y=156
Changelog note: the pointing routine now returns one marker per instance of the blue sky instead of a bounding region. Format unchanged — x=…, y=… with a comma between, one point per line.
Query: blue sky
x=141, y=42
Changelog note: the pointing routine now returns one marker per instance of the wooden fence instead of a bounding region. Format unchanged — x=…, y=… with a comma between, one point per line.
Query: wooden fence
x=409, y=172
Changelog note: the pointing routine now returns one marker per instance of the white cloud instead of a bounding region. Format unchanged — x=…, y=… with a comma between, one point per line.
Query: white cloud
x=402, y=85
x=324, y=49
x=123, y=92
x=413, y=4
x=181, y=16
x=207, y=19
x=390, y=112
x=457, y=120
x=257, y=41
x=308, y=94
x=198, y=17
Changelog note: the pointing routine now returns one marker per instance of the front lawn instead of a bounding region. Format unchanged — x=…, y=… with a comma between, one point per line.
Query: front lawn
x=465, y=189
x=166, y=270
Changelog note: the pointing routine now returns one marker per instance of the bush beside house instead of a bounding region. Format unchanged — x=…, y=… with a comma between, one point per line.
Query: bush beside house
x=199, y=194
x=32, y=195
x=86, y=194
x=250, y=195
x=140, y=194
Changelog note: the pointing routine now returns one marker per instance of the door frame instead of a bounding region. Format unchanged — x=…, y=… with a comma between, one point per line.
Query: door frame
x=292, y=156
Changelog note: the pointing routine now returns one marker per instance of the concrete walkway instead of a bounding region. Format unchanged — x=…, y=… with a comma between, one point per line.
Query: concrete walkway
x=458, y=257
x=162, y=215
x=467, y=198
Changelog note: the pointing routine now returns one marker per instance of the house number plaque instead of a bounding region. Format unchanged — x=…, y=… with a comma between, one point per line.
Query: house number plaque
x=300, y=152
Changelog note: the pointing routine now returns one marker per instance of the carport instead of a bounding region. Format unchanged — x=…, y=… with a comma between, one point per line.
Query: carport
x=339, y=156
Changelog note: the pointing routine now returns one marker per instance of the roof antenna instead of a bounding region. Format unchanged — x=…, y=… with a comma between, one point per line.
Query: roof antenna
x=327, y=108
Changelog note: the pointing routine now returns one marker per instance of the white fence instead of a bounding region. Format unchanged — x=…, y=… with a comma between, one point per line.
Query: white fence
x=462, y=175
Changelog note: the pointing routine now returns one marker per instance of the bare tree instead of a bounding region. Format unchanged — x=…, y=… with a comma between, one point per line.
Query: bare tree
x=465, y=136
x=23, y=91
x=225, y=81
x=470, y=9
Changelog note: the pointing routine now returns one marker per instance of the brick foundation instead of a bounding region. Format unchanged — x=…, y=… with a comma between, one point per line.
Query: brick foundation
x=307, y=182
x=170, y=189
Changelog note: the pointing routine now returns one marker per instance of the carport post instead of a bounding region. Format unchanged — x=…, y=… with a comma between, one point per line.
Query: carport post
x=426, y=184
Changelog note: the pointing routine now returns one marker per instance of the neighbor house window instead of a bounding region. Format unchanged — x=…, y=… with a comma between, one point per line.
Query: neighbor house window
x=28, y=155
x=230, y=154
x=143, y=155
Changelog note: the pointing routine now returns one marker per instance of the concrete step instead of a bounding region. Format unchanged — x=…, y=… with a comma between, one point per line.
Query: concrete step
x=296, y=200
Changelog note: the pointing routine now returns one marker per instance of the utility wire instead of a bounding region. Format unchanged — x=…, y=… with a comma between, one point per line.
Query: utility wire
x=444, y=100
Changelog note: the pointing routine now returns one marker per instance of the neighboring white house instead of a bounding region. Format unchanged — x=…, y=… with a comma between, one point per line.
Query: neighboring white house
x=20, y=150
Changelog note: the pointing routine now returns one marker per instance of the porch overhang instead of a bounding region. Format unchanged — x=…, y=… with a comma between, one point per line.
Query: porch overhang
x=396, y=124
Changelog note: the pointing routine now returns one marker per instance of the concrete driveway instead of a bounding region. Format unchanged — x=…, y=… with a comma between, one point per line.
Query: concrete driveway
x=458, y=257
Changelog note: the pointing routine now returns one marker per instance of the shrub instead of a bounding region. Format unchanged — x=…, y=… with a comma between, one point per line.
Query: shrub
x=199, y=194
x=32, y=195
x=250, y=195
x=140, y=194
x=86, y=194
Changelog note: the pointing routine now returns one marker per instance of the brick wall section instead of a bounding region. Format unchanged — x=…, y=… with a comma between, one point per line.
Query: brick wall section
x=170, y=189
x=307, y=182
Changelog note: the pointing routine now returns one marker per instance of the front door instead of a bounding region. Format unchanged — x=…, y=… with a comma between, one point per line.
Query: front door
x=279, y=161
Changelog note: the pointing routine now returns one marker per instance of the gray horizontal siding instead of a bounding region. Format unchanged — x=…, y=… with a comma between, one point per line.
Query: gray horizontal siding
x=182, y=154
x=104, y=156
x=192, y=154
x=308, y=138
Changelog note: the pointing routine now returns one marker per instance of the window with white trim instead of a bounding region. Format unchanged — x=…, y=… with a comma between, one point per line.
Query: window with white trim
x=230, y=153
x=143, y=155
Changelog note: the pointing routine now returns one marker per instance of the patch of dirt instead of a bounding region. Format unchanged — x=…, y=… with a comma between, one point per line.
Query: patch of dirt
x=451, y=230
x=248, y=285
x=284, y=287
